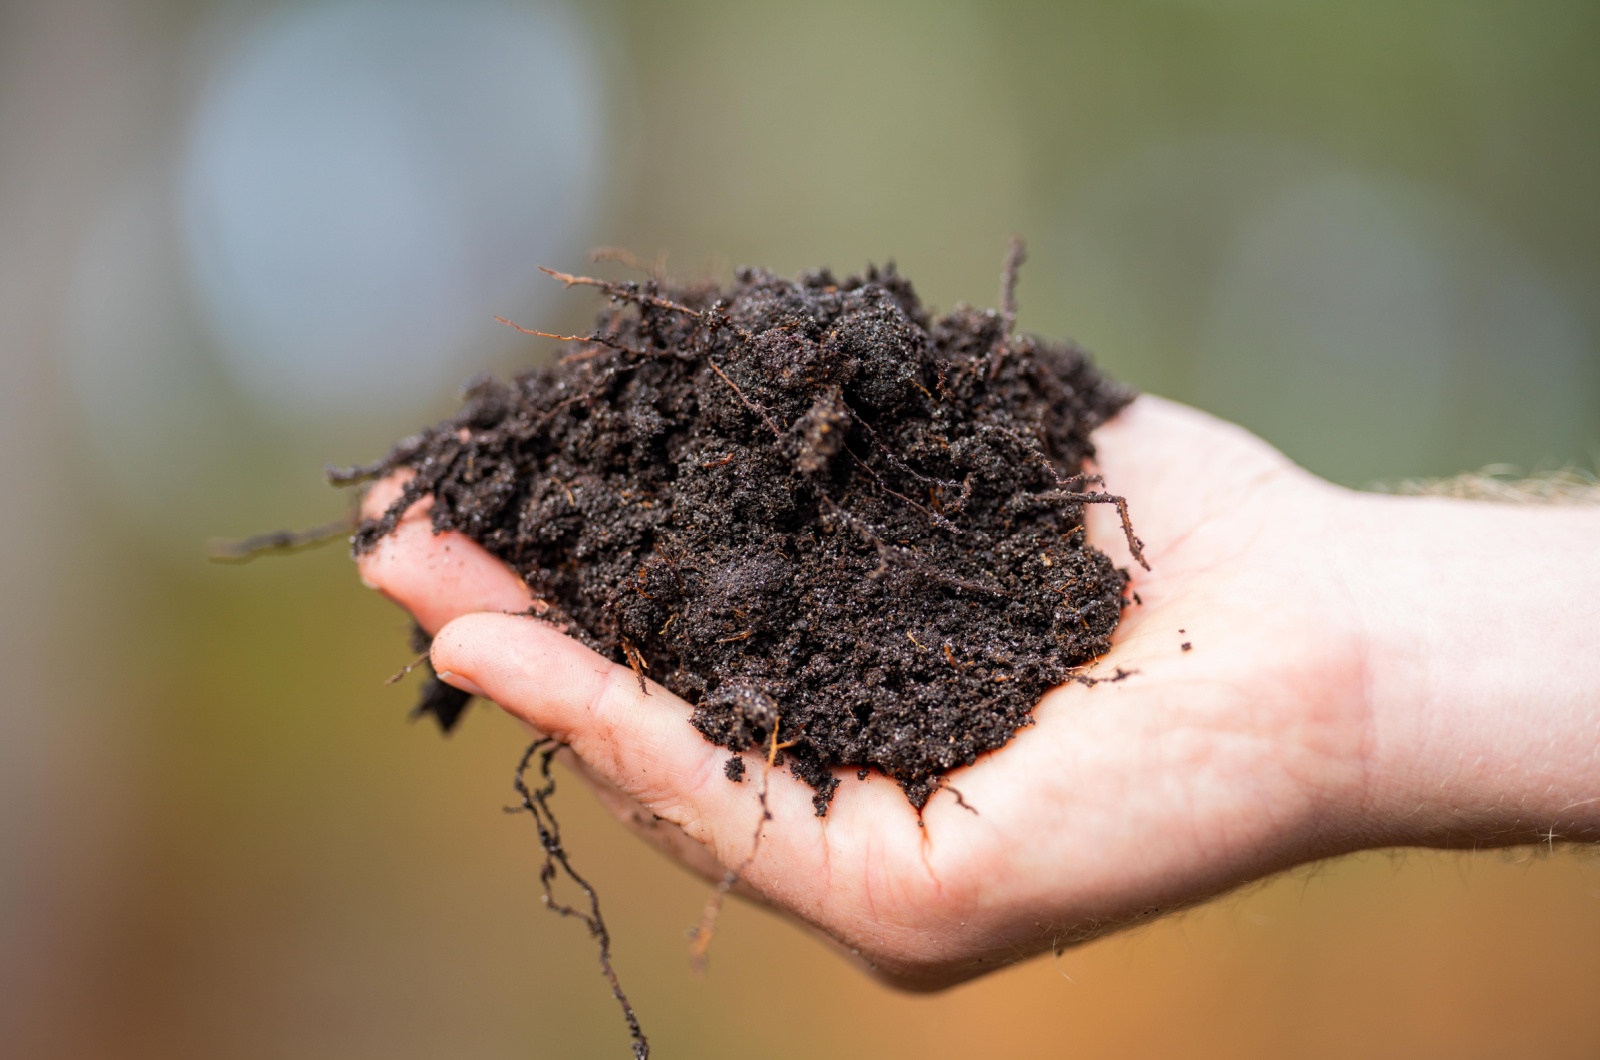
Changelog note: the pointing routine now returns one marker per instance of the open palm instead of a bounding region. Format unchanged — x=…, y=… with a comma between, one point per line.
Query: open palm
x=1234, y=748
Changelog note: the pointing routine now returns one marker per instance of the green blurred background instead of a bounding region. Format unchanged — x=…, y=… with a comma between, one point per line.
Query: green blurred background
x=240, y=240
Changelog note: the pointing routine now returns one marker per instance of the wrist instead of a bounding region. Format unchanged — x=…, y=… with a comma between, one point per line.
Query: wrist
x=1482, y=631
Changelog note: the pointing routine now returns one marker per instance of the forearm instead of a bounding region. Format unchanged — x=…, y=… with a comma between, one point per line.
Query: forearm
x=1482, y=669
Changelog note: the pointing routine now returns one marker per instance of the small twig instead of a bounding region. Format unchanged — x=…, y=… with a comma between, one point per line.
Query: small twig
x=370, y=532
x=1031, y=447
x=563, y=403
x=590, y=354
x=402, y=453
x=279, y=542
x=412, y=665
x=588, y=395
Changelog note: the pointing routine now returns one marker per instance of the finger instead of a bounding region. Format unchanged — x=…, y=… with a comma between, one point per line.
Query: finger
x=765, y=829
x=407, y=566
x=641, y=743
x=646, y=824
x=436, y=577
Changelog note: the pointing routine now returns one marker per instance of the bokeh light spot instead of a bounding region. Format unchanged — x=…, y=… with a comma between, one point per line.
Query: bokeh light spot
x=367, y=183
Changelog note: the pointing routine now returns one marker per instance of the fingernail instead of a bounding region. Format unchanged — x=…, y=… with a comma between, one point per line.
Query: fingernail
x=457, y=681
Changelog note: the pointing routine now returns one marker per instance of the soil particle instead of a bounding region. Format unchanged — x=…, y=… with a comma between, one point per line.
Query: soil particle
x=849, y=533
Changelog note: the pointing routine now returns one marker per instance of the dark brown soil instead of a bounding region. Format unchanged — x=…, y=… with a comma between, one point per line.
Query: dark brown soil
x=838, y=527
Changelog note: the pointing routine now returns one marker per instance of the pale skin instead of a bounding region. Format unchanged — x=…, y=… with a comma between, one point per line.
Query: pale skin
x=1365, y=672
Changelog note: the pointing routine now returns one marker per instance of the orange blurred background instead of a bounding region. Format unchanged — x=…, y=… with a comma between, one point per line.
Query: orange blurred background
x=240, y=240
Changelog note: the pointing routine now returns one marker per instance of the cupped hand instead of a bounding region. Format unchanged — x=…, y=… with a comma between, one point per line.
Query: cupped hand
x=1238, y=745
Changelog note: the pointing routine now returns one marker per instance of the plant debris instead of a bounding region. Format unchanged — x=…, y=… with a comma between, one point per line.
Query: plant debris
x=850, y=534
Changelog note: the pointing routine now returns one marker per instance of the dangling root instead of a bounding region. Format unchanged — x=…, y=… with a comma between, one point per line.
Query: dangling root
x=700, y=940
x=535, y=801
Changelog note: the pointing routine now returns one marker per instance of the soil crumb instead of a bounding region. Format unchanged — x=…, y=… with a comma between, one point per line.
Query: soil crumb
x=849, y=533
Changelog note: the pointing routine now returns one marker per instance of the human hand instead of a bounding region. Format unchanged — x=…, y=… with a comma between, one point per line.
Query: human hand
x=1298, y=726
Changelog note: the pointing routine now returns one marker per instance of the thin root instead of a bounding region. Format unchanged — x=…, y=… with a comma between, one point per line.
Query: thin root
x=656, y=270
x=932, y=515
x=751, y=405
x=1135, y=546
x=638, y=663
x=700, y=941
x=603, y=341
x=963, y=803
x=1016, y=254
x=281, y=542
x=536, y=801
x=624, y=291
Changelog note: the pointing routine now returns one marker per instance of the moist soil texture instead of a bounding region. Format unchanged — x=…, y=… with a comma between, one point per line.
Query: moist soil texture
x=849, y=533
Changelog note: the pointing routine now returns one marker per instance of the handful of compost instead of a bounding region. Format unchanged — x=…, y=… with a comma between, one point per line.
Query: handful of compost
x=850, y=534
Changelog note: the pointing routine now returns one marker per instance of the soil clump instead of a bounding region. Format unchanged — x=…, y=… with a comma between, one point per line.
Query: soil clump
x=849, y=533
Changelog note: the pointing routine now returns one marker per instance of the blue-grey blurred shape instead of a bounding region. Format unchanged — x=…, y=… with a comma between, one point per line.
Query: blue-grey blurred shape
x=368, y=182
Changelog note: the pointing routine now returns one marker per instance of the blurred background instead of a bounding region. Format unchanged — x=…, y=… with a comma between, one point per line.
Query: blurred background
x=241, y=240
